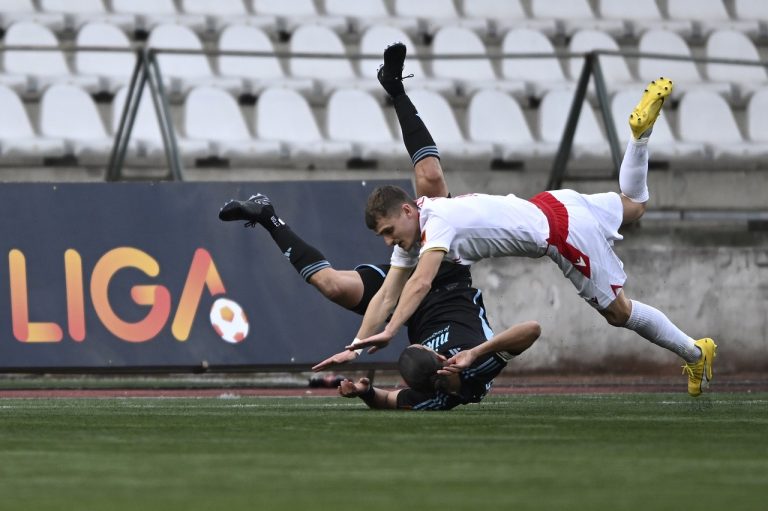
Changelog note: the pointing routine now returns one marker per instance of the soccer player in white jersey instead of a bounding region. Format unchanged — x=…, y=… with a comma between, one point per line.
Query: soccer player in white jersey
x=576, y=231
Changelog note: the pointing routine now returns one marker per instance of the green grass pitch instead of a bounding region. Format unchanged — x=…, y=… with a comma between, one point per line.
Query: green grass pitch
x=552, y=452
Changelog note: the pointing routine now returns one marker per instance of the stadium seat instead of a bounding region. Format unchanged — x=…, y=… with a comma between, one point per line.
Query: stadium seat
x=642, y=15
x=705, y=117
x=753, y=10
x=505, y=15
x=438, y=115
x=757, y=121
x=470, y=74
x=363, y=14
x=182, y=72
x=373, y=42
x=68, y=112
x=113, y=69
x=575, y=15
x=495, y=117
x=589, y=142
x=355, y=116
x=18, y=141
x=213, y=115
x=87, y=11
x=730, y=44
x=708, y=15
x=146, y=142
x=150, y=13
x=221, y=13
x=298, y=12
x=258, y=73
x=329, y=73
x=14, y=11
x=540, y=74
x=663, y=145
x=683, y=73
x=434, y=14
x=40, y=67
x=283, y=115
x=615, y=69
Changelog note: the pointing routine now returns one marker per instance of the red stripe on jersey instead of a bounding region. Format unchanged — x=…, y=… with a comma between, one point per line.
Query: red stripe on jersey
x=557, y=218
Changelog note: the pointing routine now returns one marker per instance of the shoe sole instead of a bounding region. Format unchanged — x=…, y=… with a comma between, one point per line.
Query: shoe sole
x=647, y=110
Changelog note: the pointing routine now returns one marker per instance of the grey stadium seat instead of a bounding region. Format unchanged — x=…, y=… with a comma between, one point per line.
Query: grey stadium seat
x=18, y=141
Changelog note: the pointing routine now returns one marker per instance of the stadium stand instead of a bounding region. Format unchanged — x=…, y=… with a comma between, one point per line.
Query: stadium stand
x=112, y=68
x=506, y=15
x=615, y=69
x=731, y=44
x=24, y=10
x=18, y=141
x=470, y=74
x=150, y=13
x=573, y=15
x=213, y=115
x=434, y=14
x=78, y=13
x=708, y=15
x=363, y=14
x=291, y=15
x=222, y=13
x=757, y=121
x=539, y=74
x=589, y=143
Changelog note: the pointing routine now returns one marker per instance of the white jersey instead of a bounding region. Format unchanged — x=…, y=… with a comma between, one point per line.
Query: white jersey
x=477, y=226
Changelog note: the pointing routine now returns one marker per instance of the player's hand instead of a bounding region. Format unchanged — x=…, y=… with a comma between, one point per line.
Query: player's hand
x=347, y=388
x=339, y=358
x=374, y=342
x=457, y=363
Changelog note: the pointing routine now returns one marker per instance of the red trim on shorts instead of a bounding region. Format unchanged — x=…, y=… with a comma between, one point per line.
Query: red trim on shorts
x=557, y=218
x=616, y=288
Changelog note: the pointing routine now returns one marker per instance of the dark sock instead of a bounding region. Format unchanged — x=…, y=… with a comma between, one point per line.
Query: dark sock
x=416, y=136
x=304, y=257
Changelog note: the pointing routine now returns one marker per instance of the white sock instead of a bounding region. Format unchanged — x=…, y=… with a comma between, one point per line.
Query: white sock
x=656, y=327
x=633, y=174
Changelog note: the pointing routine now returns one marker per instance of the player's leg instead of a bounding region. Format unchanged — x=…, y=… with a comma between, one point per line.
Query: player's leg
x=654, y=325
x=425, y=157
x=342, y=287
x=633, y=174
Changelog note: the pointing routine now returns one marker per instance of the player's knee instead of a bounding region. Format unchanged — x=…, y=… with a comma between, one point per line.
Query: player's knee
x=615, y=316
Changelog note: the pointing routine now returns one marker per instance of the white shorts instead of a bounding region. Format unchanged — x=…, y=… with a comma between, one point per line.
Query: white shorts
x=581, y=242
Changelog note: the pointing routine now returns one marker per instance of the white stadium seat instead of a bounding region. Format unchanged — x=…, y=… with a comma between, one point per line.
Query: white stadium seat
x=373, y=42
x=146, y=142
x=87, y=11
x=355, y=116
x=575, y=15
x=221, y=13
x=433, y=14
x=704, y=116
x=757, y=121
x=258, y=73
x=588, y=142
x=495, y=117
x=643, y=15
x=505, y=15
x=731, y=44
x=470, y=74
x=708, y=15
x=683, y=73
x=540, y=74
x=751, y=11
x=663, y=144
x=284, y=115
x=438, y=115
x=150, y=13
x=213, y=115
x=18, y=141
x=293, y=13
x=40, y=67
x=329, y=73
x=113, y=69
x=69, y=113
x=367, y=13
x=615, y=69
x=181, y=72
x=14, y=11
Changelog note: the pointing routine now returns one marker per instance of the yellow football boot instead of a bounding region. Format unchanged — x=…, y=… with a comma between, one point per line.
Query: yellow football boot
x=700, y=372
x=647, y=110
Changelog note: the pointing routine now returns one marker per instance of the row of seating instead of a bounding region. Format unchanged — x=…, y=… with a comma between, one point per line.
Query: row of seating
x=102, y=71
x=283, y=130
x=487, y=17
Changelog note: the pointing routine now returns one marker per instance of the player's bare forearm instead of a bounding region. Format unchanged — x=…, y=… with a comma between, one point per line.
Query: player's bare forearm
x=514, y=340
x=415, y=290
x=383, y=302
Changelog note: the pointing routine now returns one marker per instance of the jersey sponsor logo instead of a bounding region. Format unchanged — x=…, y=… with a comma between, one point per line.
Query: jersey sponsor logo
x=437, y=339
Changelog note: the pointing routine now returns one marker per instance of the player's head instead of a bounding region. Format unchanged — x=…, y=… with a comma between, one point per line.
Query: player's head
x=418, y=366
x=392, y=214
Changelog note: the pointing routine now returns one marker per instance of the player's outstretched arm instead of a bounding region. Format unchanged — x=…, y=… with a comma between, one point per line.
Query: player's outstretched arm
x=514, y=340
x=373, y=397
x=337, y=359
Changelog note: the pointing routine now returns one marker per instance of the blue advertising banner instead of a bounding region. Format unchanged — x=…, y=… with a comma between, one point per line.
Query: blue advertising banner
x=145, y=275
